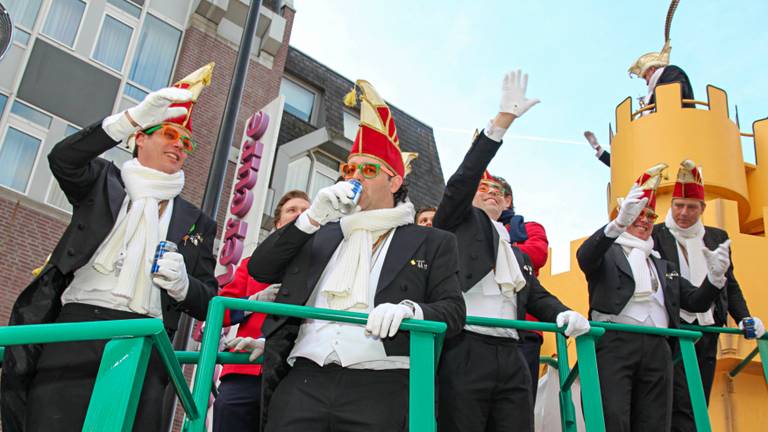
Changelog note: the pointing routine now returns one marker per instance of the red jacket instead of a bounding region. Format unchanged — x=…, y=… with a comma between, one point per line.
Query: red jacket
x=537, y=248
x=243, y=286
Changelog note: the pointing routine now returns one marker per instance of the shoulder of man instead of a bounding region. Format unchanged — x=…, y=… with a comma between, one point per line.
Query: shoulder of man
x=710, y=231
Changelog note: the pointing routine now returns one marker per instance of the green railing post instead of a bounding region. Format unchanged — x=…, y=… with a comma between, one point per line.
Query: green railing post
x=123, y=367
x=421, y=400
x=567, y=411
x=762, y=345
x=591, y=397
x=206, y=365
x=695, y=387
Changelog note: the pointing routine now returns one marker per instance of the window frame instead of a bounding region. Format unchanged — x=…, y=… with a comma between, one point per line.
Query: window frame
x=32, y=129
x=314, y=115
x=40, y=32
x=343, y=123
x=128, y=49
x=126, y=80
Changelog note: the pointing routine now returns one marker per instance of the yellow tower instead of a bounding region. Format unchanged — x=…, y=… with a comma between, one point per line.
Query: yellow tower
x=737, y=201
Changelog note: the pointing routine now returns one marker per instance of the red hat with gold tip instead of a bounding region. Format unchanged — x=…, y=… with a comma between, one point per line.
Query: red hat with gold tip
x=649, y=182
x=377, y=135
x=195, y=83
x=689, y=183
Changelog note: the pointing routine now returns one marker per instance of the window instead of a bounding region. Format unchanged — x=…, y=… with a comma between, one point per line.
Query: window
x=17, y=157
x=154, y=58
x=351, y=123
x=30, y=114
x=113, y=43
x=23, y=12
x=299, y=101
x=312, y=172
x=3, y=100
x=64, y=20
x=127, y=7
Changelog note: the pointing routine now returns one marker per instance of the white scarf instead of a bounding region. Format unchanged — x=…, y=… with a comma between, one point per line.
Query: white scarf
x=692, y=239
x=348, y=285
x=507, y=273
x=652, y=85
x=129, y=248
x=639, y=251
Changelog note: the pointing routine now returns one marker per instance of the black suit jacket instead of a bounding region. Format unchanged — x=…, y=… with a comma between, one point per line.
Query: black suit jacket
x=674, y=74
x=731, y=300
x=95, y=188
x=478, y=238
x=297, y=260
x=611, y=285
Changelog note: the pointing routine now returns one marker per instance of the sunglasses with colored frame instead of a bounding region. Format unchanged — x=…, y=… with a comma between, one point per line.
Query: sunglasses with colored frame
x=367, y=169
x=488, y=187
x=172, y=134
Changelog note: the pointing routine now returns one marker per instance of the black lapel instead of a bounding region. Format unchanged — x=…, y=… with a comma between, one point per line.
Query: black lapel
x=621, y=260
x=115, y=192
x=324, y=243
x=401, y=249
x=668, y=245
x=183, y=218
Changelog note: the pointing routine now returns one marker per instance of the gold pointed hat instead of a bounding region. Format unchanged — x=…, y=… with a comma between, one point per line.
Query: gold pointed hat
x=645, y=61
x=195, y=83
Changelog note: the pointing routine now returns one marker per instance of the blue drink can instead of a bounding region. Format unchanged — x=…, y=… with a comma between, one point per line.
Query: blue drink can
x=749, y=328
x=162, y=247
x=357, y=189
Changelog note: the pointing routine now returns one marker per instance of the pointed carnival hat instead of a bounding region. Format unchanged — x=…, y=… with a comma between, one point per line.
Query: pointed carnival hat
x=408, y=158
x=377, y=135
x=689, y=182
x=659, y=59
x=649, y=183
x=195, y=83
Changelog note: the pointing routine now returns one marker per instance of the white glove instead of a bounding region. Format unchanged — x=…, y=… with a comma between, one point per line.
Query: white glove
x=577, y=324
x=513, y=98
x=759, y=327
x=327, y=205
x=384, y=320
x=154, y=109
x=268, y=294
x=254, y=346
x=631, y=207
x=172, y=275
x=718, y=262
x=593, y=142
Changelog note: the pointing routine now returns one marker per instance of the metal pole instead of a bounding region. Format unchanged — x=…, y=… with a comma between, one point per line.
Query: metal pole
x=218, y=169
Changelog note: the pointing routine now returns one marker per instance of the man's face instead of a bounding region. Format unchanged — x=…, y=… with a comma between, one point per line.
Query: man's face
x=642, y=227
x=291, y=210
x=648, y=73
x=158, y=152
x=489, y=198
x=687, y=211
x=507, y=201
x=377, y=191
x=425, y=218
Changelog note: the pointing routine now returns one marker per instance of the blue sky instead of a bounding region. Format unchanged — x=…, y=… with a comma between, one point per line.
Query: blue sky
x=442, y=61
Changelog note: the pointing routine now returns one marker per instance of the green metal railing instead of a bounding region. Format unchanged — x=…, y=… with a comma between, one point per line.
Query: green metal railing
x=592, y=403
x=123, y=365
x=761, y=348
x=426, y=344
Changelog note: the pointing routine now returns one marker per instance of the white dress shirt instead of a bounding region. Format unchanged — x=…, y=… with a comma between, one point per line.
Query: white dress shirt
x=485, y=300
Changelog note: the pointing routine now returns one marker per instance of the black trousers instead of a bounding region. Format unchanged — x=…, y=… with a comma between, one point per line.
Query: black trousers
x=336, y=399
x=66, y=373
x=530, y=347
x=682, y=411
x=484, y=385
x=238, y=405
x=635, y=373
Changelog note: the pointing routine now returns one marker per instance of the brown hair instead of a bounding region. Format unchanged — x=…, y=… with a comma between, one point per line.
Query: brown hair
x=422, y=210
x=285, y=198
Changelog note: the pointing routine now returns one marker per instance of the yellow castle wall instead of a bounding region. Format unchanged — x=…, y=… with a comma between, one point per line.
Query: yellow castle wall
x=737, y=201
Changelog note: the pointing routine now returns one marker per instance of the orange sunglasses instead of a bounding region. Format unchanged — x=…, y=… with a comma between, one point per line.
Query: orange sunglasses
x=170, y=133
x=368, y=170
x=490, y=188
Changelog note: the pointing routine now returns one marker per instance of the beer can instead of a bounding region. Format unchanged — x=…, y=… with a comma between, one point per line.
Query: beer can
x=749, y=328
x=162, y=247
x=357, y=189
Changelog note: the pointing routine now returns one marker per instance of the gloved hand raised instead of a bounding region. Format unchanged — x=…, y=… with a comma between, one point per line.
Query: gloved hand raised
x=254, y=346
x=577, y=324
x=718, y=262
x=631, y=207
x=327, y=205
x=593, y=142
x=154, y=109
x=172, y=275
x=513, y=100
